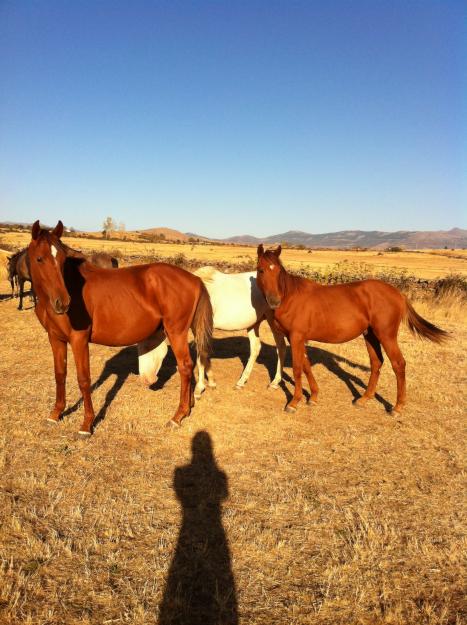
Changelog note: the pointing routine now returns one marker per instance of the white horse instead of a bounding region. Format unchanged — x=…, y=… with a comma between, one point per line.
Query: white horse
x=237, y=304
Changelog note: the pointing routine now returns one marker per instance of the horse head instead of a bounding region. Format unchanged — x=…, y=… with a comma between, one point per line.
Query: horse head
x=268, y=274
x=47, y=258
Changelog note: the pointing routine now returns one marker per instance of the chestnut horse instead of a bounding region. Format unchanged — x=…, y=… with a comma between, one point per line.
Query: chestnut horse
x=305, y=310
x=79, y=303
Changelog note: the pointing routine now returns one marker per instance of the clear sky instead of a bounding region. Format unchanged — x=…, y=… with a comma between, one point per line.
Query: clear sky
x=234, y=117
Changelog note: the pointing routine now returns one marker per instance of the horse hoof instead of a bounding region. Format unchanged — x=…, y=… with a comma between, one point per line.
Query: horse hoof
x=312, y=402
x=290, y=409
x=172, y=425
x=212, y=384
x=273, y=386
x=395, y=413
x=239, y=387
x=51, y=421
x=358, y=403
x=83, y=434
x=198, y=392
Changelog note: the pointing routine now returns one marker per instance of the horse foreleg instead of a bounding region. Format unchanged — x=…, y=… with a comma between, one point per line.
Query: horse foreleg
x=255, y=348
x=298, y=354
x=280, y=349
x=151, y=353
x=200, y=385
x=80, y=347
x=179, y=343
x=21, y=293
x=59, y=350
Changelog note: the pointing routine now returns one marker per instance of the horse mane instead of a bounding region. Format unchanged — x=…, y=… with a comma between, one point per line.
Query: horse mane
x=16, y=255
x=288, y=283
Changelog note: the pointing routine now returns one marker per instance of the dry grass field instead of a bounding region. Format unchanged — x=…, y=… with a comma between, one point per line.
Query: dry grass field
x=335, y=515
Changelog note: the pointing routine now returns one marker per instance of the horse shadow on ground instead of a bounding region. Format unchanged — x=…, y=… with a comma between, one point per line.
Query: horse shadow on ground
x=125, y=363
x=27, y=294
x=239, y=346
x=200, y=586
x=120, y=366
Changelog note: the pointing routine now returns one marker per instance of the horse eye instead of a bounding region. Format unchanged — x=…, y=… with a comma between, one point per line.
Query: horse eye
x=39, y=259
x=260, y=270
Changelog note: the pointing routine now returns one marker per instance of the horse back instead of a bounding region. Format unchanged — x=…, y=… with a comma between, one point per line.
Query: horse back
x=340, y=312
x=127, y=305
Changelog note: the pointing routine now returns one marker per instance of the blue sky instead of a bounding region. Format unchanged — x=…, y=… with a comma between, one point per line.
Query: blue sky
x=225, y=118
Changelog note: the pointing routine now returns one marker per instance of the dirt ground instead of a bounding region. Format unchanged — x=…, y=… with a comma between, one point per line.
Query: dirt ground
x=335, y=515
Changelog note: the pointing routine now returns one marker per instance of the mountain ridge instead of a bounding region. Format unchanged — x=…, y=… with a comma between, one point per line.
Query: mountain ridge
x=413, y=239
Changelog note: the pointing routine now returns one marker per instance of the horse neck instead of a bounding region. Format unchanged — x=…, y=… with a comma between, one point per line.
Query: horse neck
x=288, y=283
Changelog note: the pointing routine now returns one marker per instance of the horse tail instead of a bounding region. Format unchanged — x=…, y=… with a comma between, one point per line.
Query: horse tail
x=202, y=324
x=421, y=327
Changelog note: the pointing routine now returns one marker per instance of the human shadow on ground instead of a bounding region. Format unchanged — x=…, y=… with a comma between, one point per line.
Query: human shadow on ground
x=200, y=586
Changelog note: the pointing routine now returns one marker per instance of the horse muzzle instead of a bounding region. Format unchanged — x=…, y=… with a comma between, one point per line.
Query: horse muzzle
x=273, y=302
x=60, y=308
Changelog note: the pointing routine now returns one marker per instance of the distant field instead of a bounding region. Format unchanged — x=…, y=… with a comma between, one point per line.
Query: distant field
x=426, y=264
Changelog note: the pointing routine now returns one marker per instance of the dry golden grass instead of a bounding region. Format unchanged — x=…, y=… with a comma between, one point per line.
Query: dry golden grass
x=427, y=264
x=334, y=516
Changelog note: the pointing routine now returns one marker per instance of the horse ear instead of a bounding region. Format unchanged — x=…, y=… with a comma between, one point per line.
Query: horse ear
x=260, y=250
x=58, y=230
x=36, y=228
x=278, y=251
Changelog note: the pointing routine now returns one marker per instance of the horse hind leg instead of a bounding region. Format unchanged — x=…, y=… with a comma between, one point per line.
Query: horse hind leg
x=392, y=349
x=311, y=379
x=179, y=343
x=376, y=362
x=255, y=348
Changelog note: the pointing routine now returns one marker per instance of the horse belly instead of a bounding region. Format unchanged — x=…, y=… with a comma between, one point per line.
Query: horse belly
x=339, y=328
x=120, y=328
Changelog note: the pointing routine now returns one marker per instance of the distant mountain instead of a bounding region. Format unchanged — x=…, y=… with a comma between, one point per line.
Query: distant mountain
x=168, y=233
x=410, y=239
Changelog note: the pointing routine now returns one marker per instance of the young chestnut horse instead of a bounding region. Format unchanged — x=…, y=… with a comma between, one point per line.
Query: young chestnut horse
x=79, y=303
x=237, y=304
x=305, y=310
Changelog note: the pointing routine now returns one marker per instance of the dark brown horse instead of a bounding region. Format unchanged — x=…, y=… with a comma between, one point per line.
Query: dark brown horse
x=18, y=270
x=305, y=310
x=79, y=303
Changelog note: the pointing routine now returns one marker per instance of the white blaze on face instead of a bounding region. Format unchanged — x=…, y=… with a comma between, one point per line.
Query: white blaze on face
x=271, y=267
x=53, y=249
